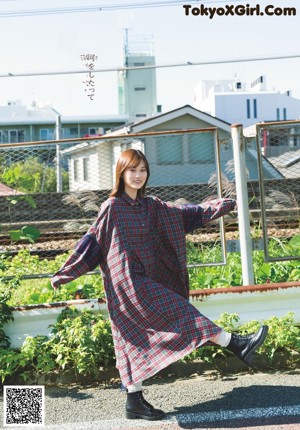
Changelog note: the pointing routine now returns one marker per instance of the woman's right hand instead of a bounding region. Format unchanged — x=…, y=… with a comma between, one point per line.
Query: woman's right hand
x=55, y=287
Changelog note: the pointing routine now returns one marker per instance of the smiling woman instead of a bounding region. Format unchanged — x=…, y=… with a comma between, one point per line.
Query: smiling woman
x=132, y=174
x=140, y=244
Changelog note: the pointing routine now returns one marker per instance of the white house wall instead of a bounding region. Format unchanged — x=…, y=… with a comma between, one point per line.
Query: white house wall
x=79, y=184
x=104, y=162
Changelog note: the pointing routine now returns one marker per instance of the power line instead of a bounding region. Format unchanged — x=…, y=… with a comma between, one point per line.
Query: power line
x=98, y=8
x=154, y=66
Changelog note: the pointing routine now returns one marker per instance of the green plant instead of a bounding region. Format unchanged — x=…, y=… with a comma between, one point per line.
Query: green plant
x=32, y=176
x=81, y=340
x=37, y=354
x=29, y=233
x=284, y=336
x=6, y=315
x=11, y=363
x=35, y=291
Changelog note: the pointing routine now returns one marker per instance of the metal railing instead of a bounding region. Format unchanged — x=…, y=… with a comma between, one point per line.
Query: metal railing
x=278, y=144
x=57, y=187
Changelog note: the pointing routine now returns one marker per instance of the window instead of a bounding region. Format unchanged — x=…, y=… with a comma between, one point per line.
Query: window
x=284, y=114
x=255, y=108
x=74, y=131
x=138, y=64
x=93, y=130
x=139, y=88
x=76, y=170
x=4, y=136
x=13, y=136
x=140, y=115
x=46, y=134
x=86, y=169
x=201, y=147
x=169, y=150
x=278, y=114
x=248, y=109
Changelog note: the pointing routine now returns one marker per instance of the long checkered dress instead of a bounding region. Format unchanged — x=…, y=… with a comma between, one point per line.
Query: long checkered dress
x=141, y=248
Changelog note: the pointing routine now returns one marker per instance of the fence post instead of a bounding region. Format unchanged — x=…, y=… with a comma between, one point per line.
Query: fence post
x=58, y=156
x=239, y=149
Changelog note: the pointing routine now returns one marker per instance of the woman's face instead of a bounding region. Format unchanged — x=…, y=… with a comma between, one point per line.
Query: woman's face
x=134, y=179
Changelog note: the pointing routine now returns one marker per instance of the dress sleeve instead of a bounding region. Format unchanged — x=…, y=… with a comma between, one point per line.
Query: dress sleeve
x=85, y=258
x=88, y=252
x=196, y=216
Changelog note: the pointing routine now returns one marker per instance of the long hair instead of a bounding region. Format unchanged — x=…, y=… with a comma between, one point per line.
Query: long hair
x=129, y=158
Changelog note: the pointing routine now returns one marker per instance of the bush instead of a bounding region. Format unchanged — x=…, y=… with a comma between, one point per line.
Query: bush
x=283, y=338
x=80, y=342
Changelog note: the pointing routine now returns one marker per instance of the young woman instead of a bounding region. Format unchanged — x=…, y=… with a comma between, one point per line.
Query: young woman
x=139, y=243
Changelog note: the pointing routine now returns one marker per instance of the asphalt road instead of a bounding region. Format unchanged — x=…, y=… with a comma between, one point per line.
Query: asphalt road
x=263, y=400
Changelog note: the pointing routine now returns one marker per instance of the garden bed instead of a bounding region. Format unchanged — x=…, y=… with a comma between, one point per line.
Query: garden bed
x=253, y=303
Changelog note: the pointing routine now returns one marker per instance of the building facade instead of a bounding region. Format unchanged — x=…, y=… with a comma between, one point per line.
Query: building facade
x=21, y=124
x=183, y=153
x=234, y=102
x=137, y=84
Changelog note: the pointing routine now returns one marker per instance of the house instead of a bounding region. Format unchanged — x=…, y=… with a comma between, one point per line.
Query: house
x=20, y=124
x=236, y=102
x=180, y=146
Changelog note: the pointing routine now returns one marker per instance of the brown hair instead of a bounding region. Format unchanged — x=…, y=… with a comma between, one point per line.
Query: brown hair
x=129, y=158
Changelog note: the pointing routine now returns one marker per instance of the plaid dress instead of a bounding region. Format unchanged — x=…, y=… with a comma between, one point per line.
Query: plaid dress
x=141, y=248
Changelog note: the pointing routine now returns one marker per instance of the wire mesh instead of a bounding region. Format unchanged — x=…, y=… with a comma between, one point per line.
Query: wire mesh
x=51, y=192
x=279, y=147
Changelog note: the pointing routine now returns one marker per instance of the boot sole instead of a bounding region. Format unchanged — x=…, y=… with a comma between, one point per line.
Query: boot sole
x=248, y=359
x=133, y=416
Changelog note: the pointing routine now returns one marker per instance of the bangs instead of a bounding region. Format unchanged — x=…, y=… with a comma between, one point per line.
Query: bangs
x=132, y=159
x=136, y=161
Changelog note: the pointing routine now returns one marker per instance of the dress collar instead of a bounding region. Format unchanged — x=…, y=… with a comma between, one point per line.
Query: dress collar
x=136, y=202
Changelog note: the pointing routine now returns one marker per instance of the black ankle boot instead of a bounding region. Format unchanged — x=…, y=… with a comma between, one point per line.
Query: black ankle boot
x=138, y=407
x=244, y=347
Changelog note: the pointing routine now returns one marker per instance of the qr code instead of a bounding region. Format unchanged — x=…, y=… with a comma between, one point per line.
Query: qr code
x=23, y=405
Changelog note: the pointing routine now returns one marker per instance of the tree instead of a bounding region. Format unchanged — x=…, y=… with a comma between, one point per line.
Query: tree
x=32, y=176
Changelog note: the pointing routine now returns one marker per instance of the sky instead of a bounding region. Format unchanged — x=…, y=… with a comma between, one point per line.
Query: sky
x=56, y=42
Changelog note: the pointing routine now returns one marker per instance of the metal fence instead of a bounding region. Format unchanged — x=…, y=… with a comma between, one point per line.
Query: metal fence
x=278, y=146
x=51, y=192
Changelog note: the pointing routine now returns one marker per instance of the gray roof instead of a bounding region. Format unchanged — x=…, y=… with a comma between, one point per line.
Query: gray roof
x=288, y=163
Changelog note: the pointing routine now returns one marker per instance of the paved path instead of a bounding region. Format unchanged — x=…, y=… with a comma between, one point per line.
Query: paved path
x=260, y=401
